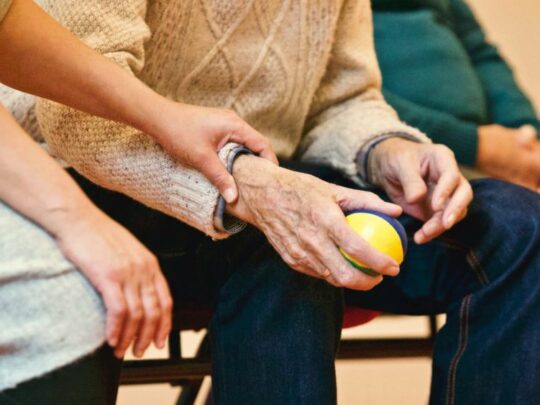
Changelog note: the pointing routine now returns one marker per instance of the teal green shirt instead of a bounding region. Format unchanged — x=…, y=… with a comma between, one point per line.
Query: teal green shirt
x=441, y=74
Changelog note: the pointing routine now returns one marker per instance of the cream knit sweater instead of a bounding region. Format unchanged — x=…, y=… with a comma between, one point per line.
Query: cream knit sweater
x=303, y=73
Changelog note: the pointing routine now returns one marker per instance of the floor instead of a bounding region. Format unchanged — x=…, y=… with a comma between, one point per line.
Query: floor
x=373, y=382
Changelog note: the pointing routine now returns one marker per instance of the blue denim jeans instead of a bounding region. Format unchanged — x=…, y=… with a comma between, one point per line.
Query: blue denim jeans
x=275, y=332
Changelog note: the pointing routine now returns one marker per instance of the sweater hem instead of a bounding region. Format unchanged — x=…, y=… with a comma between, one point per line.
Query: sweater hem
x=48, y=364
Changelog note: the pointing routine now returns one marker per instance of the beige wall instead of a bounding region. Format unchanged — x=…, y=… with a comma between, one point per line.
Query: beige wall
x=514, y=25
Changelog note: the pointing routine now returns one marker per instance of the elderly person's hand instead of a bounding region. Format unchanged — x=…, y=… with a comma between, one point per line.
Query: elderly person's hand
x=424, y=179
x=510, y=154
x=302, y=217
x=123, y=271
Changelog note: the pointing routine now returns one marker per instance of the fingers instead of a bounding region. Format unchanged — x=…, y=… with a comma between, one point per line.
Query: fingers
x=458, y=203
x=349, y=200
x=432, y=228
x=149, y=323
x=447, y=184
x=133, y=318
x=343, y=236
x=216, y=172
x=330, y=265
x=115, y=303
x=443, y=220
x=166, y=305
x=527, y=136
x=343, y=274
x=414, y=186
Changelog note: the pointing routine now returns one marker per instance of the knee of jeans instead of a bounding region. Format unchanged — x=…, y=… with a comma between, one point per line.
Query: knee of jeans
x=508, y=207
x=271, y=286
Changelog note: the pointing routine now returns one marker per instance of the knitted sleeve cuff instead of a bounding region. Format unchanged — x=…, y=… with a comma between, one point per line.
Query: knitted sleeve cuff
x=224, y=222
x=4, y=7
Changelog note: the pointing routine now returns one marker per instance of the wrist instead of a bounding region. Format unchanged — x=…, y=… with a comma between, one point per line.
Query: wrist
x=488, y=145
x=253, y=175
x=160, y=118
x=64, y=218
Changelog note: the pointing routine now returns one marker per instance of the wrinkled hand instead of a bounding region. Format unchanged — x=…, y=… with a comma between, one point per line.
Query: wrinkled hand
x=193, y=135
x=510, y=154
x=125, y=273
x=302, y=217
x=425, y=180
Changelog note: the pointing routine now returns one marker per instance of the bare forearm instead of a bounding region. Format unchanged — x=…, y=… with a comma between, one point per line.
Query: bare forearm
x=39, y=56
x=33, y=183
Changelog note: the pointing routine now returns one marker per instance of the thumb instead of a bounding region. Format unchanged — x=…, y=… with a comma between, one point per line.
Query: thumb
x=216, y=172
x=527, y=135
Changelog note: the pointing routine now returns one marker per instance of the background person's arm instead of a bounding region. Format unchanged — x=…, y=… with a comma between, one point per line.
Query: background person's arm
x=39, y=56
x=459, y=135
x=506, y=150
x=506, y=153
x=507, y=103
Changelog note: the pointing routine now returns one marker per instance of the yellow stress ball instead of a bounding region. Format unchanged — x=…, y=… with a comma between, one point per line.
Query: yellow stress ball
x=382, y=232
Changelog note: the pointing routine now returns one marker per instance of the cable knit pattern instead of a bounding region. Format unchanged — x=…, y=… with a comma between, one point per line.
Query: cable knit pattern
x=302, y=73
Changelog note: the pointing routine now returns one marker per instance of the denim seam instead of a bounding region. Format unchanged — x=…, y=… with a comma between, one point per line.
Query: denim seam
x=473, y=261
x=462, y=346
x=470, y=257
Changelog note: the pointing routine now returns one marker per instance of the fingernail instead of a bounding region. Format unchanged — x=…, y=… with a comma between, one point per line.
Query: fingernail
x=229, y=195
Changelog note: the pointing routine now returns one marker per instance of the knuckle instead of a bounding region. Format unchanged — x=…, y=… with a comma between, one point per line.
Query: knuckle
x=297, y=254
x=119, y=310
x=136, y=313
x=151, y=260
x=119, y=270
x=197, y=156
x=444, y=150
x=167, y=304
x=153, y=314
x=344, y=278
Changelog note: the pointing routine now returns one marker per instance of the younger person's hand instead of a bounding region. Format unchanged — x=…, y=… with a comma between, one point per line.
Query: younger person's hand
x=193, y=135
x=510, y=154
x=124, y=272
